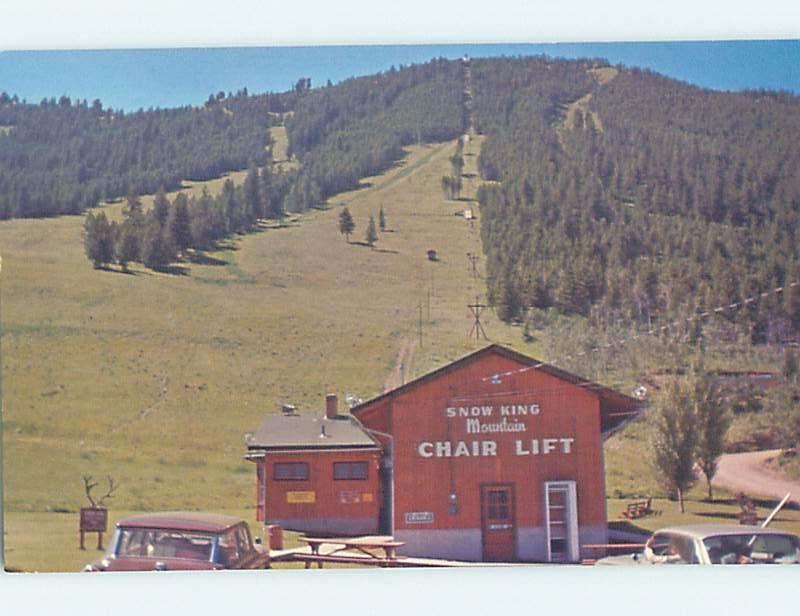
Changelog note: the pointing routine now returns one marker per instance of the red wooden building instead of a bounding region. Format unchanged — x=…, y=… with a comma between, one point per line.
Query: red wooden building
x=492, y=457
x=317, y=473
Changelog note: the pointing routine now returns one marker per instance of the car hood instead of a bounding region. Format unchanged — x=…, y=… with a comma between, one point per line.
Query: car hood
x=153, y=564
x=622, y=559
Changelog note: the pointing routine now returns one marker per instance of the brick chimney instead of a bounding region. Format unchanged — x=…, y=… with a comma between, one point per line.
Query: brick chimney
x=331, y=406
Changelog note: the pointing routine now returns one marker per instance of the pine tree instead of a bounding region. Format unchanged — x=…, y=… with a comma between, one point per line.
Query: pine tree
x=99, y=239
x=790, y=364
x=158, y=251
x=382, y=220
x=372, y=233
x=231, y=207
x=346, y=224
x=252, y=195
x=267, y=208
x=128, y=247
x=447, y=186
x=160, y=207
x=180, y=230
x=675, y=440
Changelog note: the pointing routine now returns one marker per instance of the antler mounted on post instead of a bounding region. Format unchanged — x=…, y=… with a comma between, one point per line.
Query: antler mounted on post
x=111, y=487
x=88, y=484
x=95, y=518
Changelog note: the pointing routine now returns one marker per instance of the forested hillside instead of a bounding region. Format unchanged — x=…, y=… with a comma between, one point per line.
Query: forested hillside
x=339, y=134
x=359, y=127
x=61, y=157
x=629, y=197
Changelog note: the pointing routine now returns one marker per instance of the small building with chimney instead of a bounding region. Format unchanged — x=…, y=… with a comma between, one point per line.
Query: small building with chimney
x=493, y=457
x=317, y=473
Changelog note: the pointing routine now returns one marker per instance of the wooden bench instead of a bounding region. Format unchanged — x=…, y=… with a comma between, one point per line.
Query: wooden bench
x=639, y=509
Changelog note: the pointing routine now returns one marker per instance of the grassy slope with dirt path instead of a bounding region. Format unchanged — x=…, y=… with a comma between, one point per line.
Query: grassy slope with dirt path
x=155, y=379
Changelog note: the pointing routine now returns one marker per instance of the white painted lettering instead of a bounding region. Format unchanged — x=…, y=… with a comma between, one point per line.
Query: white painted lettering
x=461, y=449
x=450, y=411
x=548, y=444
x=443, y=449
x=520, y=450
x=425, y=449
x=488, y=448
x=566, y=444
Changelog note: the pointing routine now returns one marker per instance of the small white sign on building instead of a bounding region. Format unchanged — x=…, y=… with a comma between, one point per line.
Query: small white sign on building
x=419, y=517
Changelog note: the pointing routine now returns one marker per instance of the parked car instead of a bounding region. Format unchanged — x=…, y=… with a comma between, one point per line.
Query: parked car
x=714, y=544
x=181, y=540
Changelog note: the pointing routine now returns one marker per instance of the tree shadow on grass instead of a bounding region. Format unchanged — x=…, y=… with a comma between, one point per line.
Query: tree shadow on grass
x=114, y=270
x=201, y=258
x=174, y=270
x=226, y=245
x=387, y=251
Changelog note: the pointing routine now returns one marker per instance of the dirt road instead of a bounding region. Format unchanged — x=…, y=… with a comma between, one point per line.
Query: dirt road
x=748, y=473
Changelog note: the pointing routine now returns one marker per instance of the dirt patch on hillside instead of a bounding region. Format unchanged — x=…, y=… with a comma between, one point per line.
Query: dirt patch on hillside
x=402, y=365
x=604, y=74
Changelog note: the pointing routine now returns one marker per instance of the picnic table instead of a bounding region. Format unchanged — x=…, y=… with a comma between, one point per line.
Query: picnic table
x=367, y=549
x=639, y=509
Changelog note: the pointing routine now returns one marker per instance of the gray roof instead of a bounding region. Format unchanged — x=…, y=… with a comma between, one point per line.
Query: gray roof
x=297, y=431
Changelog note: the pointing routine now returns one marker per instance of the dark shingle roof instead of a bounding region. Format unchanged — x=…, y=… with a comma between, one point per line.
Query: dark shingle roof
x=296, y=431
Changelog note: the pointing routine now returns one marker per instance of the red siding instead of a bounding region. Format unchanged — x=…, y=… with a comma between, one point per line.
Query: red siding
x=419, y=414
x=338, y=499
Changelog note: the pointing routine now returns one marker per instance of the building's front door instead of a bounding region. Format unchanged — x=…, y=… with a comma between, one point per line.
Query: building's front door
x=498, y=522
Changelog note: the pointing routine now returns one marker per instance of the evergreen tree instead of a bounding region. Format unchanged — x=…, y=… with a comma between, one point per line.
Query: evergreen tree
x=790, y=364
x=346, y=224
x=128, y=247
x=372, y=233
x=99, y=239
x=675, y=439
x=160, y=207
x=447, y=187
x=382, y=220
x=232, y=208
x=180, y=230
x=158, y=251
x=252, y=195
x=267, y=208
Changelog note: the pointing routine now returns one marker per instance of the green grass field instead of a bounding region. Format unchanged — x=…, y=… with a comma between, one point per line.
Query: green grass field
x=155, y=379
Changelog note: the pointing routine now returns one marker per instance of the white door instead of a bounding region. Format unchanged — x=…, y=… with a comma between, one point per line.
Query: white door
x=561, y=518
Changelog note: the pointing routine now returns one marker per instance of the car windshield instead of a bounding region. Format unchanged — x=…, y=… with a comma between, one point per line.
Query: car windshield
x=154, y=543
x=755, y=548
